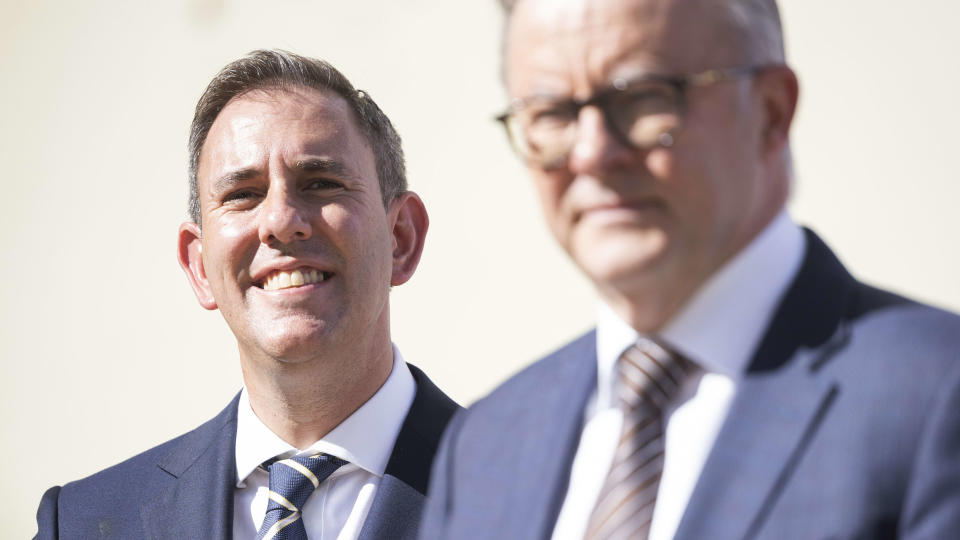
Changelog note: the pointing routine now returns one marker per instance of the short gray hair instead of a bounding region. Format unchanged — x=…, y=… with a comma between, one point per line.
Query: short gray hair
x=276, y=69
x=756, y=24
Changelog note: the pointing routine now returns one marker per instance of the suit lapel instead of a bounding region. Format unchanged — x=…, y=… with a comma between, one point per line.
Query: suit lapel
x=397, y=506
x=200, y=501
x=771, y=422
x=780, y=403
x=541, y=446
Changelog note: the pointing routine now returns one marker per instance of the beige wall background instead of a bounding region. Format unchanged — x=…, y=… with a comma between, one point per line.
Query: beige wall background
x=104, y=349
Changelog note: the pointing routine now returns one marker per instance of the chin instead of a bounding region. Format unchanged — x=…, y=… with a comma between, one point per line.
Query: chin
x=625, y=257
x=295, y=341
x=292, y=351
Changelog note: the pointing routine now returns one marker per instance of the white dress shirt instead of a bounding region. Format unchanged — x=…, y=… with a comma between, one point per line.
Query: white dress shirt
x=338, y=508
x=719, y=329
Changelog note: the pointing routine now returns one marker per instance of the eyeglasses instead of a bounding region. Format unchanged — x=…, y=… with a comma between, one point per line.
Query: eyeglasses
x=641, y=113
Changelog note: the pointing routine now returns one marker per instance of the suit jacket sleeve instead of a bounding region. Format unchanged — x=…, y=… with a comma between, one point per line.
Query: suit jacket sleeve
x=932, y=508
x=47, y=515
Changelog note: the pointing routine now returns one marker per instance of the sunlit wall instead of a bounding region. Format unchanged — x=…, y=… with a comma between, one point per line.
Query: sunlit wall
x=104, y=349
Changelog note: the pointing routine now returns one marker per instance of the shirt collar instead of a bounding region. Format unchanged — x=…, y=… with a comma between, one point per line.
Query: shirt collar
x=365, y=438
x=721, y=326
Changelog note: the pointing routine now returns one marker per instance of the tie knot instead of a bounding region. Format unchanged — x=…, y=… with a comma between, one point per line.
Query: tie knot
x=295, y=478
x=649, y=374
x=292, y=480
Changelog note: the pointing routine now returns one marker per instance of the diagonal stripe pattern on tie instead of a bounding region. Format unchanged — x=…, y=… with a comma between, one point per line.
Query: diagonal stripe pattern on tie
x=648, y=377
x=292, y=481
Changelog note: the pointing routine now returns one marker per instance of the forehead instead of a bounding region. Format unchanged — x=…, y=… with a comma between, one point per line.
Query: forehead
x=579, y=43
x=289, y=123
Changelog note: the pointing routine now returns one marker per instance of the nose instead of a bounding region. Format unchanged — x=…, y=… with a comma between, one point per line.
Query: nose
x=596, y=148
x=282, y=219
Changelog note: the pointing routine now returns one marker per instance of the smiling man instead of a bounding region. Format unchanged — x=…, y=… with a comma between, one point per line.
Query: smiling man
x=740, y=382
x=301, y=222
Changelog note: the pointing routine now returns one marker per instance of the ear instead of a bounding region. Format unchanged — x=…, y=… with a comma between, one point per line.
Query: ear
x=780, y=91
x=409, y=222
x=190, y=256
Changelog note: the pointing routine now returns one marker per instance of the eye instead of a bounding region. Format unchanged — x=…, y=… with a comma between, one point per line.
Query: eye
x=547, y=118
x=557, y=113
x=239, y=195
x=323, y=184
x=646, y=100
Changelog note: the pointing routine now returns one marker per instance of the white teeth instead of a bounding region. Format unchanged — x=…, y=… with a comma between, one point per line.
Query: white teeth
x=295, y=278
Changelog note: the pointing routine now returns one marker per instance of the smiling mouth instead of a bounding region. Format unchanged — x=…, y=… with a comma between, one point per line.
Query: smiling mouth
x=282, y=279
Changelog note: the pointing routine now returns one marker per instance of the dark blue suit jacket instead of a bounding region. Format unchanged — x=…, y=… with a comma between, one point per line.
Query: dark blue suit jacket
x=846, y=425
x=183, y=488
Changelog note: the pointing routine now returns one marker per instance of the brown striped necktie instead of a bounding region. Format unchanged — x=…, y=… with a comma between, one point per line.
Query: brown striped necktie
x=648, y=377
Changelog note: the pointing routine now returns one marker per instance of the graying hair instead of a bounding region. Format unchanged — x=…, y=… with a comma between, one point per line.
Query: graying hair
x=276, y=69
x=756, y=23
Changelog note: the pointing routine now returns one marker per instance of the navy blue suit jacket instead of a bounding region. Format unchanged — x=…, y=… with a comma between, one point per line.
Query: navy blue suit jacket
x=846, y=425
x=184, y=488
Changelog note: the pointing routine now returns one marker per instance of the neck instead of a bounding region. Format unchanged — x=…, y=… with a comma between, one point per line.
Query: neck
x=647, y=314
x=303, y=401
x=649, y=306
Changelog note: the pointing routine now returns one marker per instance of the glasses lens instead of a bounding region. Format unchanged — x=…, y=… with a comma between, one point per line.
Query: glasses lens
x=542, y=132
x=643, y=114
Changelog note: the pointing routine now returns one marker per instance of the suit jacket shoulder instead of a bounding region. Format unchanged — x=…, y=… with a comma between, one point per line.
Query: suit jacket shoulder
x=826, y=305
x=117, y=502
x=550, y=378
x=504, y=464
x=842, y=405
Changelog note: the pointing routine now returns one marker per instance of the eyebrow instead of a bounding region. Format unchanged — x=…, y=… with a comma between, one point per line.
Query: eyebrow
x=321, y=165
x=232, y=178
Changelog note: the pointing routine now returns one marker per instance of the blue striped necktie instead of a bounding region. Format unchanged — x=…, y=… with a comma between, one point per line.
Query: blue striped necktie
x=292, y=480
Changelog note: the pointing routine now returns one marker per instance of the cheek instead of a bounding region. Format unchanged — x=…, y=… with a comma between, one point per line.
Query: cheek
x=332, y=217
x=229, y=248
x=551, y=190
x=690, y=176
x=232, y=236
x=349, y=229
x=360, y=236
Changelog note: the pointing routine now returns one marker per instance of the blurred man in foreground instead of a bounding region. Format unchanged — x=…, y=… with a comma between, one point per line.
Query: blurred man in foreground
x=740, y=383
x=301, y=221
